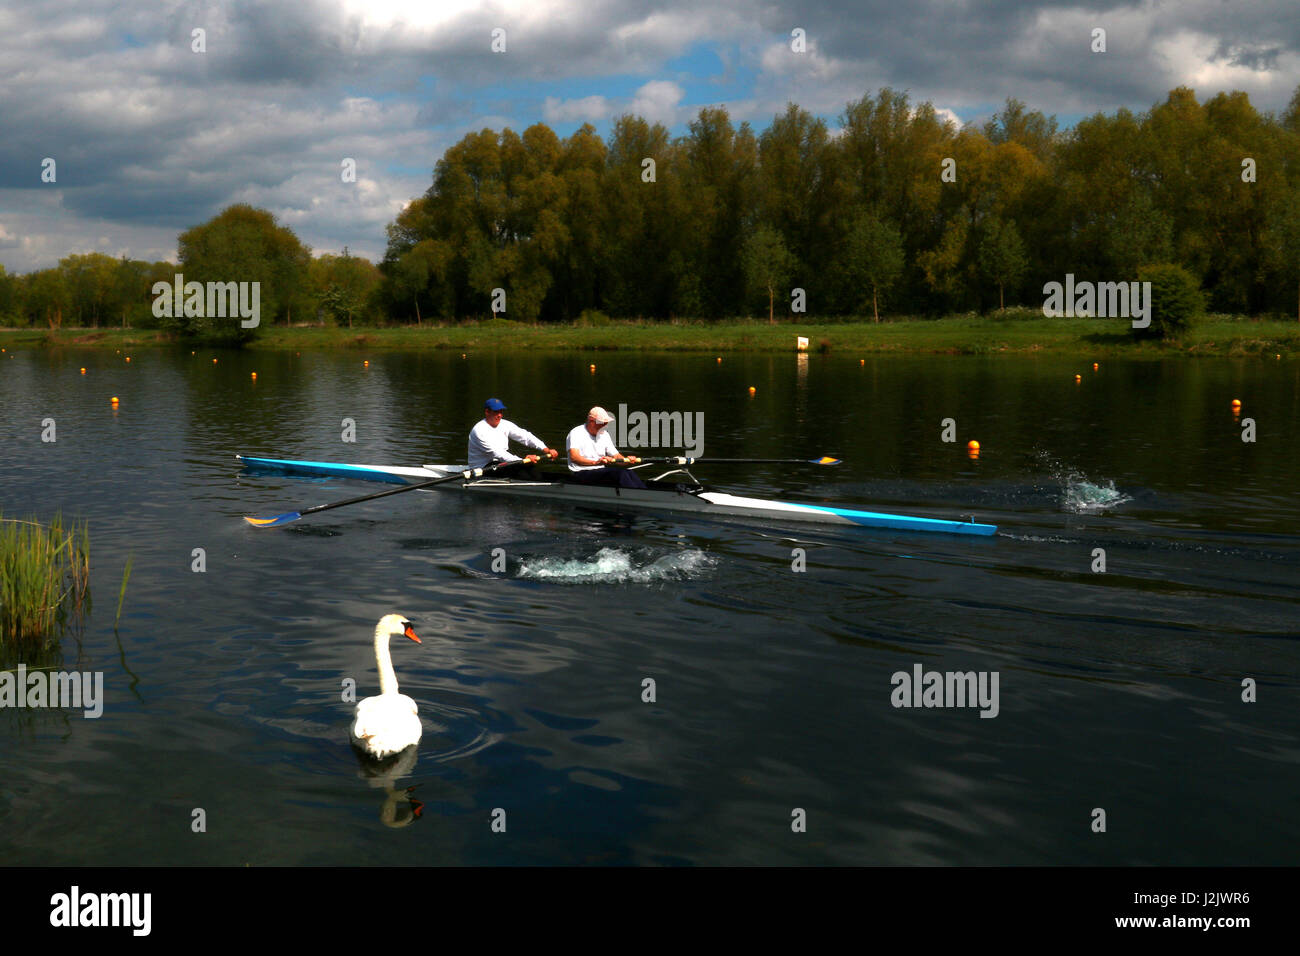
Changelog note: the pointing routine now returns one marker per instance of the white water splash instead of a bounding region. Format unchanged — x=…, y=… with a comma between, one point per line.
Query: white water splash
x=614, y=566
x=1084, y=497
x=1078, y=494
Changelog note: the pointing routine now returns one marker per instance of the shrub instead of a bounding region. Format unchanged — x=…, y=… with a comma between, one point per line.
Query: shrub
x=1176, y=299
x=592, y=318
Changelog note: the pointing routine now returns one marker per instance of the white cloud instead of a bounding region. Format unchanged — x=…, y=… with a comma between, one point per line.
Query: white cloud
x=586, y=109
x=658, y=102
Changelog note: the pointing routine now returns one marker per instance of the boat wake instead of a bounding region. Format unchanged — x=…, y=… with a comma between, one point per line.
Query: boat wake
x=616, y=566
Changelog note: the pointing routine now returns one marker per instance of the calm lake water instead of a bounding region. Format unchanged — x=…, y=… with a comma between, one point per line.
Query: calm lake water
x=1119, y=690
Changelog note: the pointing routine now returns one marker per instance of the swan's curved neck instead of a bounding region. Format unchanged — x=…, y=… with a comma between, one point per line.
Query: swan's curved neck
x=384, y=661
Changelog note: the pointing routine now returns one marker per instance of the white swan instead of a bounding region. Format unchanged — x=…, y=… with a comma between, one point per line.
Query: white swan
x=389, y=723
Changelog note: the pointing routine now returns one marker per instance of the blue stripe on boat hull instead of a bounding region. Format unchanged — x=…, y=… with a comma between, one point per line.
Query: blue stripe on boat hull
x=321, y=468
x=875, y=519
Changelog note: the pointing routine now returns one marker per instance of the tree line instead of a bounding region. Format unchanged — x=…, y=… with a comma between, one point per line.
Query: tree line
x=896, y=210
x=241, y=244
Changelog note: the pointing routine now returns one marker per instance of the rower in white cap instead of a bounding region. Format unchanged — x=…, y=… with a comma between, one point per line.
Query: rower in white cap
x=592, y=454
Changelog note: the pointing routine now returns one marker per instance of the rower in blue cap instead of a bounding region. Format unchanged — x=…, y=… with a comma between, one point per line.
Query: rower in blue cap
x=489, y=440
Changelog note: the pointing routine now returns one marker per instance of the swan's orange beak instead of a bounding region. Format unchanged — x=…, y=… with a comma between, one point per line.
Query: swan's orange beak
x=411, y=634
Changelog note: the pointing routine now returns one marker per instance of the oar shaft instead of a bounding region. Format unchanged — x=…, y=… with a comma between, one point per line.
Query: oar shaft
x=464, y=475
x=680, y=460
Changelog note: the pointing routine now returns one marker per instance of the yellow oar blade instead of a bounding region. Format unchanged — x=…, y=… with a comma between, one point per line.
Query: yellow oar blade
x=272, y=522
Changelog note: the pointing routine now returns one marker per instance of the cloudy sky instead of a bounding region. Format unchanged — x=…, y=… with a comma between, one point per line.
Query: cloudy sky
x=150, y=137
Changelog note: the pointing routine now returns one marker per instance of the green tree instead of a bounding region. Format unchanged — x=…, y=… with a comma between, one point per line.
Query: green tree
x=888, y=158
x=873, y=254
x=1136, y=233
x=243, y=244
x=1291, y=116
x=9, y=297
x=47, y=297
x=795, y=195
x=1283, y=241
x=1029, y=128
x=1175, y=300
x=89, y=280
x=342, y=286
x=1002, y=258
x=767, y=265
x=718, y=173
x=637, y=219
x=943, y=266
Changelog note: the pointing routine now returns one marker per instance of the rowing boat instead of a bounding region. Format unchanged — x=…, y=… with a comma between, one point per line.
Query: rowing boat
x=684, y=493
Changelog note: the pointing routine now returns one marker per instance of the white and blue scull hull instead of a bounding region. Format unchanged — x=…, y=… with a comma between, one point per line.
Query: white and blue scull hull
x=685, y=498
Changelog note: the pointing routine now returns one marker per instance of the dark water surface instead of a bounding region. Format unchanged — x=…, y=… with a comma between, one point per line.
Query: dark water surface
x=1119, y=690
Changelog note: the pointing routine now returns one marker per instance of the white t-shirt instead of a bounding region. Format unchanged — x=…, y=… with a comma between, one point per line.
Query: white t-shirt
x=588, y=447
x=486, y=442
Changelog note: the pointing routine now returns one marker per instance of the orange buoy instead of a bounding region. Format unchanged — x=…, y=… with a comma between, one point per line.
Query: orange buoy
x=719, y=359
x=113, y=400
x=255, y=376
x=862, y=361
x=366, y=363
x=593, y=369
x=973, y=445
x=214, y=361
x=83, y=371
x=1095, y=366
x=752, y=390
x=1236, y=403
x=128, y=358
x=1078, y=378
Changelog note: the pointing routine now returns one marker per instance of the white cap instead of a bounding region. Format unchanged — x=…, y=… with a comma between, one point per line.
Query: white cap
x=601, y=416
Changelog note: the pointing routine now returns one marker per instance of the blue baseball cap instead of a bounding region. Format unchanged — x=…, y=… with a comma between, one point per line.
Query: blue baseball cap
x=495, y=404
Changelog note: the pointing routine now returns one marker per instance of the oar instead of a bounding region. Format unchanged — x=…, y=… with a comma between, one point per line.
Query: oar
x=824, y=460
x=465, y=475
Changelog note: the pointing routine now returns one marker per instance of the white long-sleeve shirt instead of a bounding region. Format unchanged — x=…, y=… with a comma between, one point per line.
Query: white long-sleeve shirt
x=588, y=447
x=487, y=443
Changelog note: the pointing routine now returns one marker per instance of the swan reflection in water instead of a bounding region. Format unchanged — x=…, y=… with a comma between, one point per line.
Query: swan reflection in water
x=400, y=808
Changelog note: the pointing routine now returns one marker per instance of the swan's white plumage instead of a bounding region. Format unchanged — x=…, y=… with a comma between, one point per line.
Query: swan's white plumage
x=389, y=723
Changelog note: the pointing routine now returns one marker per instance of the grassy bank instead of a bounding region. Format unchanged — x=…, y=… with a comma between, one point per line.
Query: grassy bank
x=1020, y=331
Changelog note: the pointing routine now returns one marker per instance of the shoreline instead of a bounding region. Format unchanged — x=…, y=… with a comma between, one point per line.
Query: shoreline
x=958, y=335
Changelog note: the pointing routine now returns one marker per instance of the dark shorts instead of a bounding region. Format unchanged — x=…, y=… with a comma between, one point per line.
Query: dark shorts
x=608, y=475
x=521, y=470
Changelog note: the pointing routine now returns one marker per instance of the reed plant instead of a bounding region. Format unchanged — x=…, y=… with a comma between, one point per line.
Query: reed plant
x=44, y=580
